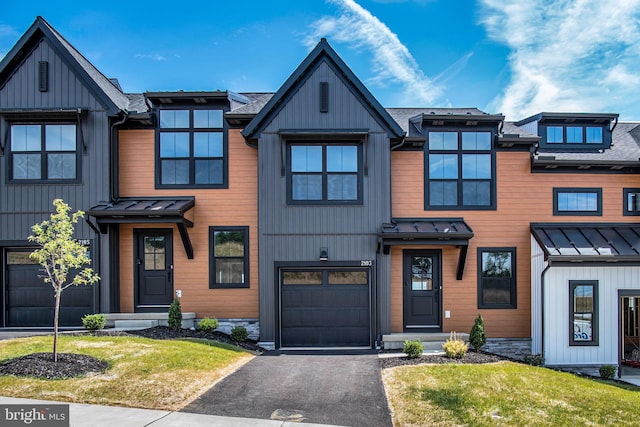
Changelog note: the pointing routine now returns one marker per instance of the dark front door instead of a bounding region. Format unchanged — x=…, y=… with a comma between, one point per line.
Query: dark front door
x=154, y=269
x=421, y=276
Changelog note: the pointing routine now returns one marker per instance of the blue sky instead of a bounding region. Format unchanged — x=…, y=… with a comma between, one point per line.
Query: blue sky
x=513, y=57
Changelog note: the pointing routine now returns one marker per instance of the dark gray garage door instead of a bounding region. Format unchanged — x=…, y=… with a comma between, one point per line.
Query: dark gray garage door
x=325, y=308
x=29, y=302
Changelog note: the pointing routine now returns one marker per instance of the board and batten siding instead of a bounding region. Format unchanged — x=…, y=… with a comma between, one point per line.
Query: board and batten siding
x=538, y=265
x=295, y=233
x=557, y=326
x=22, y=205
x=233, y=206
x=523, y=197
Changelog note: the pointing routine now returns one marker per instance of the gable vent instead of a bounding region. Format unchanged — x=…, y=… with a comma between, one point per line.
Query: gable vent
x=43, y=76
x=324, y=97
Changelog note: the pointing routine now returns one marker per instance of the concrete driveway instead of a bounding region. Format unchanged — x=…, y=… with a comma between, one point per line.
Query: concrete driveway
x=312, y=387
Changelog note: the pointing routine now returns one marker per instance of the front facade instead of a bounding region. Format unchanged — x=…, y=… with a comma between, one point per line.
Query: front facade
x=318, y=218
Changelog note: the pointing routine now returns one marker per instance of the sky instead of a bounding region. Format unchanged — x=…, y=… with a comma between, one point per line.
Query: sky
x=515, y=57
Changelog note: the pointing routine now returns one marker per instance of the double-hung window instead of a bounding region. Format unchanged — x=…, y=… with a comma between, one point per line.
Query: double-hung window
x=191, y=149
x=229, y=257
x=497, y=278
x=460, y=170
x=44, y=152
x=583, y=312
x=329, y=173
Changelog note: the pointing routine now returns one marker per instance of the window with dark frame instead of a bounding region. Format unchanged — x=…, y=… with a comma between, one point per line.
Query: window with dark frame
x=44, y=152
x=573, y=134
x=191, y=150
x=324, y=173
x=229, y=257
x=631, y=201
x=460, y=171
x=577, y=201
x=583, y=313
x=497, y=278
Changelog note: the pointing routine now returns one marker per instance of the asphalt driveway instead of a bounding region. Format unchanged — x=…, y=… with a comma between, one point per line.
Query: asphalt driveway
x=312, y=387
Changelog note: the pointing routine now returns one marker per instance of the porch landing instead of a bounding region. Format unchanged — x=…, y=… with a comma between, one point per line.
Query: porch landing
x=432, y=341
x=145, y=320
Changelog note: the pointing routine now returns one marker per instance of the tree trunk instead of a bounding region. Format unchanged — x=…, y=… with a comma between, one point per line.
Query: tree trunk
x=55, y=327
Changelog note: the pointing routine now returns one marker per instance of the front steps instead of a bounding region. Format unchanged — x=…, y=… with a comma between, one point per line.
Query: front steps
x=130, y=321
x=432, y=342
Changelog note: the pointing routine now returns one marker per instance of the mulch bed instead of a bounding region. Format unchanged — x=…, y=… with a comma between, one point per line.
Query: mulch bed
x=472, y=357
x=41, y=365
x=164, y=333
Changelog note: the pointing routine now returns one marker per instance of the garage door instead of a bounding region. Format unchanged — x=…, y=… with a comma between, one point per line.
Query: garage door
x=325, y=308
x=30, y=302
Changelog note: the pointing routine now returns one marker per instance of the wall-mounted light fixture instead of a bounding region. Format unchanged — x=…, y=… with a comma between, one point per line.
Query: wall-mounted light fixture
x=324, y=254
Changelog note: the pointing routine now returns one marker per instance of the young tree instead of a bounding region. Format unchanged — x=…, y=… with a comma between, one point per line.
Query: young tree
x=60, y=253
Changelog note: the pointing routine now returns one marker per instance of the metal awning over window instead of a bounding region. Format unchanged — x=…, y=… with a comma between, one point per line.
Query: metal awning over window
x=427, y=231
x=588, y=242
x=143, y=210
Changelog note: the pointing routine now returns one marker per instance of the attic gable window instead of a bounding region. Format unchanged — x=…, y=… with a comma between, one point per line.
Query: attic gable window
x=191, y=149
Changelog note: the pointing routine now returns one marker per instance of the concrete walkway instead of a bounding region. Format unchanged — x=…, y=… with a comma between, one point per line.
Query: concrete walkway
x=311, y=386
x=82, y=415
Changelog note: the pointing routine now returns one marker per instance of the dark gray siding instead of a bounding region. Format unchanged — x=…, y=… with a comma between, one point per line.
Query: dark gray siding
x=22, y=205
x=296, y=233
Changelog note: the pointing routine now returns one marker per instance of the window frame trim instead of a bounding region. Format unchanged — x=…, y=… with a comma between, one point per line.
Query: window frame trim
x=212, y=257
x=359, y=144
x=578, y=146
x=625, y=194
x=43, y=153
x=493, y=202
x=191, y=130
x=595, y=333
x=513, y=305
x=584, y=190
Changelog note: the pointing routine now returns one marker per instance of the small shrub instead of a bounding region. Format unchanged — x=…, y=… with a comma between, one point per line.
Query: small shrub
x=175, y=315
x=93, y=322
x=607, y=371
x=239, y=333
x=208, y=324
x=413, y=349
x=477, y=336
x=454, y=347
x=533, y=359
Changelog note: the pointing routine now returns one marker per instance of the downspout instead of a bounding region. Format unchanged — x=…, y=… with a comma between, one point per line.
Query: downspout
x=113, y=161
x=542, y=276
x=614, y=125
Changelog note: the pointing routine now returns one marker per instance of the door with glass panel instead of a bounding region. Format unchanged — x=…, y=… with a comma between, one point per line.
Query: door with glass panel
x=154, y=269
x=421, y=291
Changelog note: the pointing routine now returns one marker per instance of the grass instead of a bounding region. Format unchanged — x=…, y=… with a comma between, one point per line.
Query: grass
x=505, y=394
x=143, y=373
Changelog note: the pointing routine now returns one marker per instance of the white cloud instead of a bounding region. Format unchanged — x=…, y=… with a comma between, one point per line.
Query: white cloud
x=392, y=61
x=569, y=55
x=152, y=56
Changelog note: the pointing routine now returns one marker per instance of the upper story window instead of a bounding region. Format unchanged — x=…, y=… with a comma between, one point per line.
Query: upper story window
x=329, y=173
x=631, y=201
x=577, y=201
x=44, y=152
x=460, y=169
x=574, y=135
x=191, y=150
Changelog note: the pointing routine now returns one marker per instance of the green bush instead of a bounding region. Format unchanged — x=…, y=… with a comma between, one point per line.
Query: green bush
x=175, y=315
x=454, y=347
x=208, y=324
x=607, y=371
x=93, y=322
x=478, y=337
x=413, y=349
x=239, y=333
x=533, y=359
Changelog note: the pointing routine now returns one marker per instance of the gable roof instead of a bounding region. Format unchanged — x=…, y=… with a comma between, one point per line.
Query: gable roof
x=322, y=51
x=104, y=89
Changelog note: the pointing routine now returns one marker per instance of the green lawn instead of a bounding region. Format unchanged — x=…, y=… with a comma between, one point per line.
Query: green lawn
x=144, y=373
x=505, y=394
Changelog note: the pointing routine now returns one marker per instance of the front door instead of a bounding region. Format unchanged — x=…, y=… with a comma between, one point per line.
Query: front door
x=154, y=269
x=422, y=288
